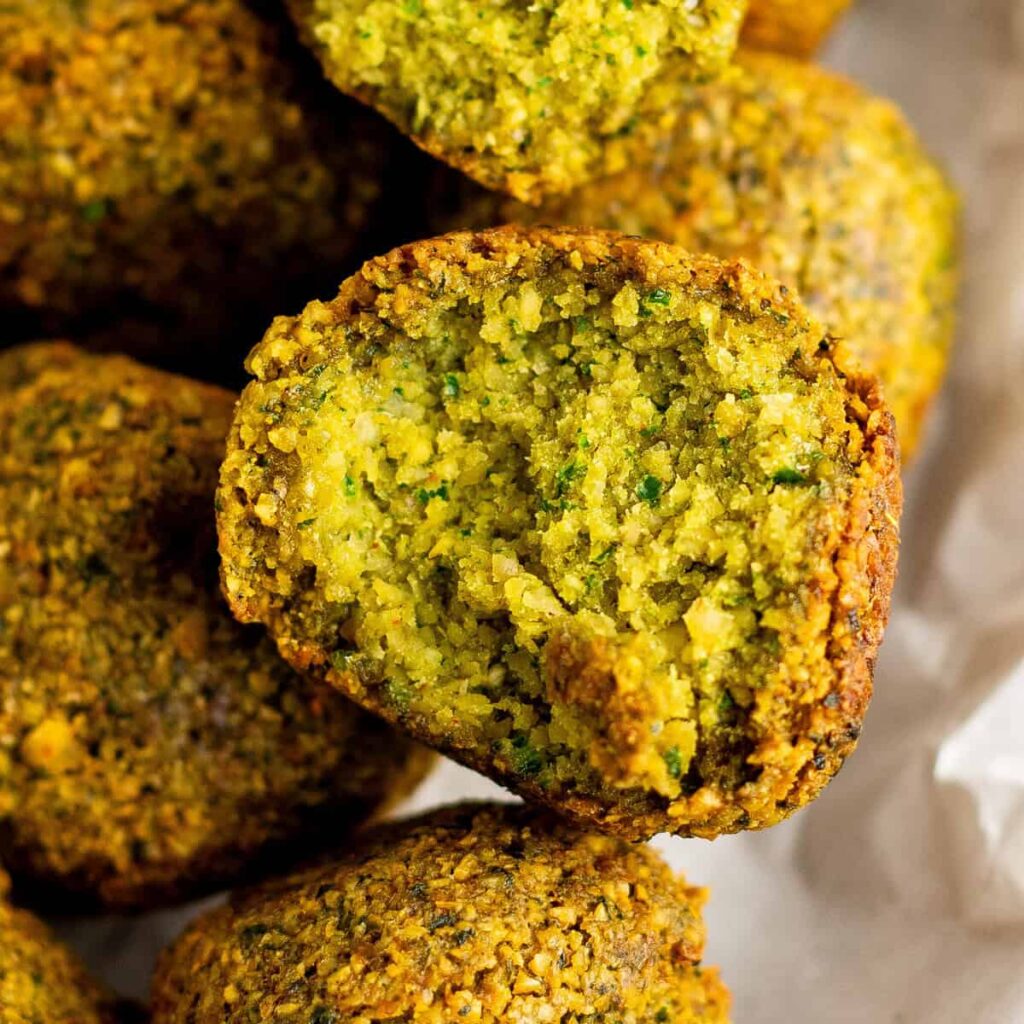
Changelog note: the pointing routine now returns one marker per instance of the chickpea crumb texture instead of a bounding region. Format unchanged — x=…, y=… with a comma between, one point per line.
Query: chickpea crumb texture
x=150, y=747
x=815, y=182
x=41, y=980
x=529, y=98
x=482, y=913
x=593, y=516
x=797, y=27
x=168, y=161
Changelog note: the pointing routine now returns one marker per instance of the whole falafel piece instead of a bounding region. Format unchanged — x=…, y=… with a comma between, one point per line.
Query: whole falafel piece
x=479, y=912
x=817, y=183
x=179, y=168
x=41, y=980
x=151, y=749
x=796, y=27
x=531, y=99
x=600, y=519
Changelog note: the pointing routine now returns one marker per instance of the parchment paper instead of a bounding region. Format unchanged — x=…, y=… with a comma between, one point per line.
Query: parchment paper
x=899, y=895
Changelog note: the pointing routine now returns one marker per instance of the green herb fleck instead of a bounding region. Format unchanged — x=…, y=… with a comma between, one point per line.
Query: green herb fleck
x=413, y=7
x=323, y=1015
x=305, y=523
x=567, y=476
x=445, y=920
x=788, y=475
x=628, y=4
x=651, y=430
x=604, y=555
x=725, y=703
x=451, y=387
x=526, y=759
x=659, y=297
x=348, y=486
x=746, y=394
x=94, y=212
x=543, y=83
x=649, y=490
x=340, y=660
x=399, y=695
x=423, y=495
x=673, y=762
x=251, y=933
x=583, y=324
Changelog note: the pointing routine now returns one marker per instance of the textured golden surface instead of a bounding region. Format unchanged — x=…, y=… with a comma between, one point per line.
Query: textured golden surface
x=167, y=164
x=533, y=99
x=150, y=748
x=478, y=913
x=815, y=182
x=598, y=518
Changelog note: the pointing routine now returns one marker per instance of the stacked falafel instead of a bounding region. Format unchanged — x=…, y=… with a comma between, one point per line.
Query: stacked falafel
x=614, y=524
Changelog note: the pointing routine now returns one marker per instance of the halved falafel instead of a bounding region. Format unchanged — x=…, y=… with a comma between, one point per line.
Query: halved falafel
x=150, y=748
x=481, y=912
x=529, y=98
x=817, y=183
x=41, y=980
x=174, y=165
x=797, y=27
x=600, y=519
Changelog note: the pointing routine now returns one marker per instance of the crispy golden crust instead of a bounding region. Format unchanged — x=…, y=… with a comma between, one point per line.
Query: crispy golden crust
x=163, y=162
x=797, y=27
x=150, y=748
x=736, y=686
x=482, y=912
x=531, y=99
x=816, y=183
x=41, y=981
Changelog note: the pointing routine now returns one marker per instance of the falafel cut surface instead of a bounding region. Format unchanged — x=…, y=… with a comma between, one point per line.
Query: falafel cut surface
x=477, y=912
x=596, y=517
x=179, y=167
x=151, y=749
x=817, y=183
x=41, y=980
x=529, y=98
x=797, y=27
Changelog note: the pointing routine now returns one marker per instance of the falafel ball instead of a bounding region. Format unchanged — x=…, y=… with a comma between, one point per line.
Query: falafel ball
x=482, y=912
x=817, y=183
x=178, y=166
x=41, y=980
x=797, y=27
x=531, y=99
x=150, y=747
x=603, y=520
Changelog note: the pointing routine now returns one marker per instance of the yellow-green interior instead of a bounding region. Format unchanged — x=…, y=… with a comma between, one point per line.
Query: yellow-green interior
x=638, y=477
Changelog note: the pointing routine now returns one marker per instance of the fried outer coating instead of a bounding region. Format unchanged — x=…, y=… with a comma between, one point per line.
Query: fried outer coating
x=593, y=516
x=532, y=99
x=150, y=747
x=170, y=163
x=41, y=980
x=815, y=182
x=797, y=27
x=484, y=913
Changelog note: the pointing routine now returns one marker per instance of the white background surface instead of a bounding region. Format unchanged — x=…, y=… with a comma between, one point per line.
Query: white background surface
x=899, y=896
